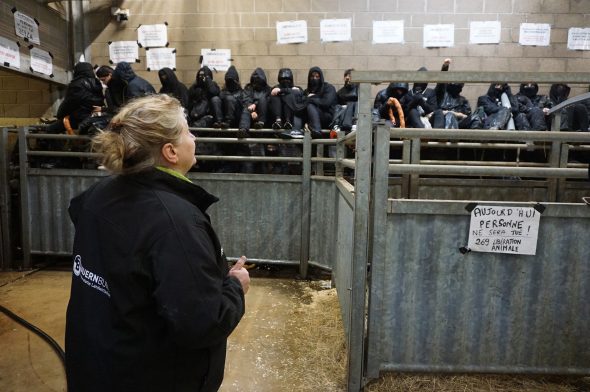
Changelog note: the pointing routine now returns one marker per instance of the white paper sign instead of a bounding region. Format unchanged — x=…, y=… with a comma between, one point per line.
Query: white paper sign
x=127, y=51
x=535, y=34
x=388, y=31
x=439, y=36
x=335, y=30
x=151, y=36
x=292, y=32
x=158, y=58
x=578, y=38
x=485, y=32
x=216, y=59
x=41, y=61
x=504, y=230
x=9, y=53
x=26, y=27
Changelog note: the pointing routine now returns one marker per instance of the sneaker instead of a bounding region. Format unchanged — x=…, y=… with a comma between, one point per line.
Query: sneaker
x=258, y=125
x=243, y=133
x=224, y=125
x=293, y=134
x=287, y=125
x=277, y=125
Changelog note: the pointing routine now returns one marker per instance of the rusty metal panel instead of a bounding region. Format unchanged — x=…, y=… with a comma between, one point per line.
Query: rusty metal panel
x=440, y=310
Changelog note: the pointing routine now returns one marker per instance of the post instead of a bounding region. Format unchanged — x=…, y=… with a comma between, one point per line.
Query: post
x=24, y=197
x=305, y=206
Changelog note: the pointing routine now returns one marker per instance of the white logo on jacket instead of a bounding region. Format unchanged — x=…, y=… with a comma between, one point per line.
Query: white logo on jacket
x=92, y=279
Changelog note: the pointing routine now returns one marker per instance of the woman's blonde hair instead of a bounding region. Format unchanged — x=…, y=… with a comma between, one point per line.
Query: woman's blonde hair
x=133, y=139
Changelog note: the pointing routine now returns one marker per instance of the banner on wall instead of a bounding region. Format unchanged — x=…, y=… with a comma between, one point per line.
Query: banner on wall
x=485, y=32
x=535, y=34
x=578, y=38
x=439, y=36
x=158, y=58
x=152, y=36
x=9, y=53
x=127, y=51
x=41, y=61
x=388, y=31
x=216, y=59
x=335, y=30
x=26, y=27
x=292, y=32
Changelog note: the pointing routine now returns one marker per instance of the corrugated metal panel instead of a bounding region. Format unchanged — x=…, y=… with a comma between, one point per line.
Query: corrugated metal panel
x=444, y=311
x=323, y=222
x=342, y=273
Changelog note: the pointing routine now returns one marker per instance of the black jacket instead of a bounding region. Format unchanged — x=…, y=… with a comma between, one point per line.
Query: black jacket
x=257, y=89
x=126, y=85
x=398, y=90
x=324, y=95
x=200, y=93
x=151, y=302
x=83, y=92
x=348, y=93
x=491, y=102
x=172, y=86
x=291, y=95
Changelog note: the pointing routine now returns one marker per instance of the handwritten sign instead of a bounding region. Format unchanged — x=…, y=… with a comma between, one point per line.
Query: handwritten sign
x=216, y=59
x=292, y=32
x=127, y=51
x=485, y=32
x=26, y=27
x=439, y=36
x=535, y=34
x=152, y=36
x=504, y=230
x=388, y=31
x=158, y=58
x=578, y=38
x=335, y=30
x=41, y=61
x=9, y=53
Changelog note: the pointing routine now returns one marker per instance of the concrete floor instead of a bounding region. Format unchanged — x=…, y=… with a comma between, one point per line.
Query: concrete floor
x=256, y=359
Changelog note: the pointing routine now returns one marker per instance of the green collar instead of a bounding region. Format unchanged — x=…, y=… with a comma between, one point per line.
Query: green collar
x=173, y=173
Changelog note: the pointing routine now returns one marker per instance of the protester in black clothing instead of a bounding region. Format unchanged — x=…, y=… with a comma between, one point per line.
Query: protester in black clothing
x=386, y=104
x=320, y=102
x=124, y=86
x=172, y=86
x=285, y=99
x=530, y=114
x=498, y=105
x=104, y=73
x=453, y=109
x=152, y=299
x=574, y=117
x=420, y=103
x=204, y=106
x=255, y=110
x=348, y=97
x=232, y=99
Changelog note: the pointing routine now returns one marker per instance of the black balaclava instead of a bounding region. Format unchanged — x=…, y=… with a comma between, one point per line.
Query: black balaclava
x=419, y=88
x=529, y=90
x=454, y=89
x=285, y=78
x=232, y=79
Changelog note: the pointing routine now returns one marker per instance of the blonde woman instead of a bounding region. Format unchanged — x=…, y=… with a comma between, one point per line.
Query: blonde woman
x=153, y=300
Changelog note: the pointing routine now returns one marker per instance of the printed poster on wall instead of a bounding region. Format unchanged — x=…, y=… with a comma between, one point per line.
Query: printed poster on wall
x=292, y=32
x=485, y=32
x=216, y=59
x=158, y=58
x=26, y=27
x=9, y=53
x=335, y=30
x=152, y=36
x=513, y=230
x=127, y=51
x=41, y=61
x=388, y=31
x=439, y=36
x=578, y=38
x=535, y=34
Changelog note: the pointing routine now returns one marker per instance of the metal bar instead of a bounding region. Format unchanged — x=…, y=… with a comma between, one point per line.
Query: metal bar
x=481, y=369
x=414, y=159
x=305, y=205
x=340, y=153
x=561, y=182
x=5, y=243
x=483, y=163
x=248, y=158
x=488, y=171
x=360, y=256
x=406, y=157
x=319, y=163
x=522, y=136
x=469, y=77
x=578, y=98
x=24, y=198
x=201, y=139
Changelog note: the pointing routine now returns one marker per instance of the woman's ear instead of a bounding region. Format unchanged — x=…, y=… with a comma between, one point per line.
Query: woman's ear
x=169, y=154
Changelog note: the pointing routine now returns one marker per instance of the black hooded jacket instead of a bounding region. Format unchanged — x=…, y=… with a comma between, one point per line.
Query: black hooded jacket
x=324, y=94
x=126, y=85
x=232, y=85
x=290, y=94
x=151, y=302
x=492, y=103
x=540, y=101
x=398, y=90
x=83, y=92
x=200, y=93
x=558, y=93
x=172, y=86
x=257, y=89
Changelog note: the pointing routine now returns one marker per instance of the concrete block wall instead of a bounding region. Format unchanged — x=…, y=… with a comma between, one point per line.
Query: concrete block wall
x=247, y=27
x=23, y=97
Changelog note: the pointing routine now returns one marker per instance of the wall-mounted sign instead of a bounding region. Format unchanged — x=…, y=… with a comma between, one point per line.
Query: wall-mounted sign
x=504, y=230
x=41, y=61
x=216, y=59
x=152, y=36
x=158, y=58
x=9, y=53
x=26, y=27
x=578, y=38
x=485, y=32
x=388, y=31
x=535, y=34
x=127, y=51
x=439, y=36
x=292, y=32
x=335, y=30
